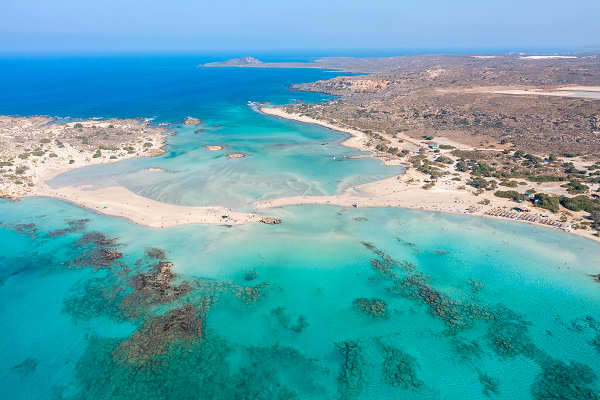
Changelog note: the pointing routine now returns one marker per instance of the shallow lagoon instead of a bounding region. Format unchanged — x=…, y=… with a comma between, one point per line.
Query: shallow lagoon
x=279, y=311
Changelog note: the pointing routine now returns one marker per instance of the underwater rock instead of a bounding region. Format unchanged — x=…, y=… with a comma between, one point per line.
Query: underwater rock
x=595, y=342
x=270, y=220
x=282, y=317
x=490, y=385
x=26, y=229
x=181, y=325
x=249, y=294
x=400, y=369
x=75, y=225
x=186, y=371
x=250, y=275
x=351, y=378
x=28, y=366
x=153, y=287
x=561, y=381
x=97, y=297
x=376, y=308
x=155, y=253
x=508, y=335
x=466, y=350
x=192, y=121
x=98, y=251
x=455, y=314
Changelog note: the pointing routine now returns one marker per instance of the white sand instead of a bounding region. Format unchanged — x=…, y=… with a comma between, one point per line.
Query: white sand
x=121, y=202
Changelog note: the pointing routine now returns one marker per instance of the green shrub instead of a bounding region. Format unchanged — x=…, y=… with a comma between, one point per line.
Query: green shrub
x=576, y=187
x=512, y=184
x=510, y=194
x=580, y=203
x=547, y=202
x=478, y=182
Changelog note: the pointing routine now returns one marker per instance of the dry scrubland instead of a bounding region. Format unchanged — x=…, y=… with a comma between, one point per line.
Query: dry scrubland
x=34, y=149
x=496, y=136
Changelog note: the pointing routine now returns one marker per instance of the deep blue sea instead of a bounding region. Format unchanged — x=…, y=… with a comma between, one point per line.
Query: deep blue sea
x=334, y=303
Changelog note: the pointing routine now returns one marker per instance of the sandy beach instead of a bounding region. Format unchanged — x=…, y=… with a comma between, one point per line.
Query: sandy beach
x=407, y=190
x=119, y=201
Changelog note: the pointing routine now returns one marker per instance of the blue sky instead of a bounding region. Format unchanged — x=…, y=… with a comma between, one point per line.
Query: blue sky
x=185, y=25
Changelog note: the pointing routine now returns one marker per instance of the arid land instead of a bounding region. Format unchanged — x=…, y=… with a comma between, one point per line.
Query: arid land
x=505, y=137
x=34, y=150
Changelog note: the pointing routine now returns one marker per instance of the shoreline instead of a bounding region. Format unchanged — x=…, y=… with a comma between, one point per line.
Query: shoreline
x=65, y=153
x=118, y=201
x=405, y=191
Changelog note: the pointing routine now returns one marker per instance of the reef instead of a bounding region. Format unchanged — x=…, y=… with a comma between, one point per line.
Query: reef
x=351, y=378
x=508, y=334
x=27, y=367
x=400, y=369
x=155, y=253
x=181, y=326
x=250, y=275
x=30, y=229
x=375, y=308
x=249, y=294
x=490, y=385
x=455, y=314
x=97, y=250
x=285, y=321
x=157, y=285
x=73, y=225
x=561, y=381
x=466, y=350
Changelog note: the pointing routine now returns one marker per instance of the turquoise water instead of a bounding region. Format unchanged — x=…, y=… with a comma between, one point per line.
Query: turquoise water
x=332, y=304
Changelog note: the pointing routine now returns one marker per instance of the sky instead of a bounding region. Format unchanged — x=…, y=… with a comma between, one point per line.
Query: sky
x=236, y=25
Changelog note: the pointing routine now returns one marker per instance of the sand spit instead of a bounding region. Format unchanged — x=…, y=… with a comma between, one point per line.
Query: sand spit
x=119, y=201
x=213, y=147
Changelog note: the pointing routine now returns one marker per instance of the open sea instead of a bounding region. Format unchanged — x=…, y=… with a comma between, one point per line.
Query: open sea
x=334, y=303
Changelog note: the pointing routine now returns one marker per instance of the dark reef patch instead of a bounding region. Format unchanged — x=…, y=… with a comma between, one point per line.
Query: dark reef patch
x=375, y=308
x=400, y=369
x=26, y=367
x=352, y=374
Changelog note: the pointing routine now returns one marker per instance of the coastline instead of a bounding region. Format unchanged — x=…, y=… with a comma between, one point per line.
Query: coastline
x=65, y=153
x=406, y=191
x=118, y=201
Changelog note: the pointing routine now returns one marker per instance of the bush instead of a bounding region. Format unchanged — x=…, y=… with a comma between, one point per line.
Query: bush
x=547, y=202
x=580, y=203
x=444, y=160
x=78, y=126
x=478, y=182
x=510, y=194
x=576, y=187
x=512, y=184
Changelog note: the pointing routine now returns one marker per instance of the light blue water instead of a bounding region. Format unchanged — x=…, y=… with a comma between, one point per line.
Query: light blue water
x=332, y=304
